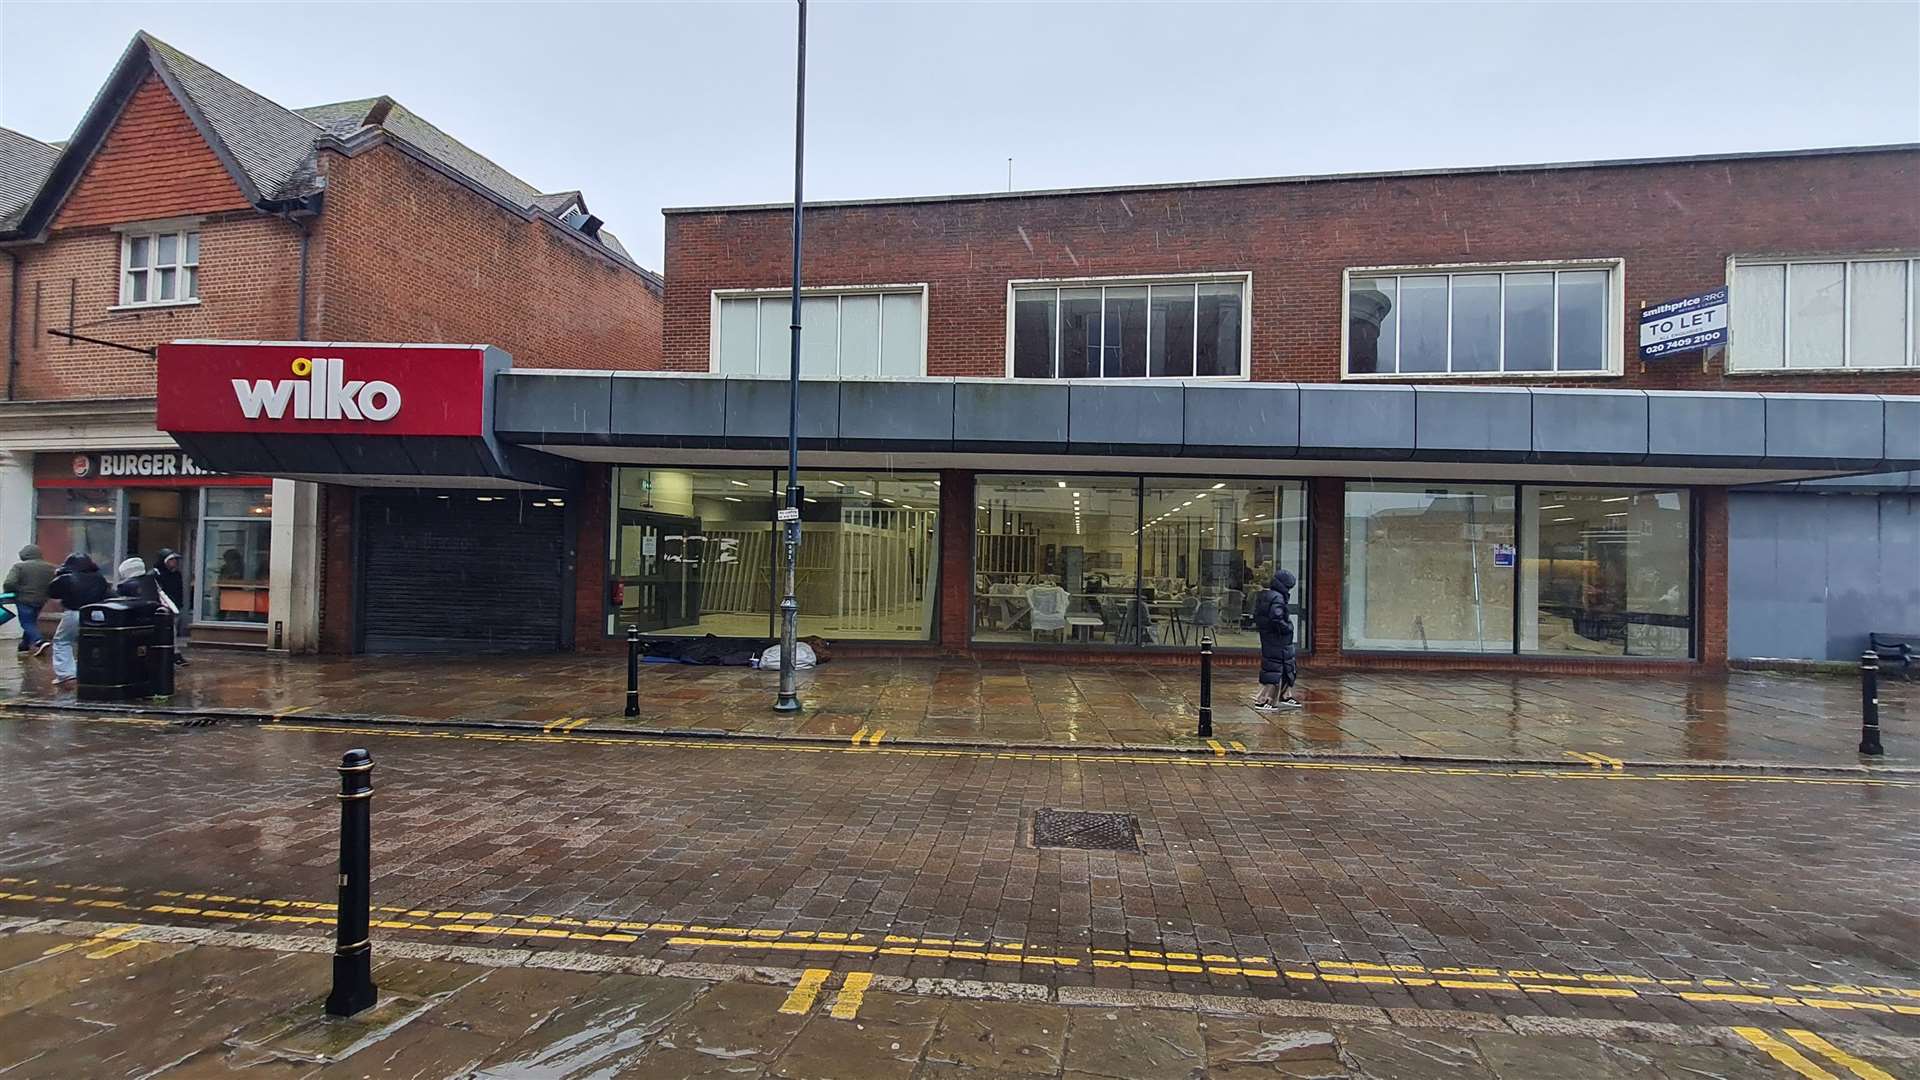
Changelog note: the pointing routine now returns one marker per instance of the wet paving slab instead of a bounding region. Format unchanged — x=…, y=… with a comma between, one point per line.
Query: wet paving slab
x=1762, y=717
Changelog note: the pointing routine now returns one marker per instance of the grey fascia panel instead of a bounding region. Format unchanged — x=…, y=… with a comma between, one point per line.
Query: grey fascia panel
x=1130, y=417
x=1705, y=428
x=1006, y=416
x=897, y=412
x=1472, y=423
x=1242, y=419
x=1357, y=422
x=757, y=410
x=1903, y=430
x=1590, y=426
x=1825, y=430
x=667, y=410
x=532, y=407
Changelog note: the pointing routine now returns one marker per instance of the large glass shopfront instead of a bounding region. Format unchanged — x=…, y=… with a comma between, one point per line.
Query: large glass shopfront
x=1131, y=561
x=696, y=551
x=1499, y=568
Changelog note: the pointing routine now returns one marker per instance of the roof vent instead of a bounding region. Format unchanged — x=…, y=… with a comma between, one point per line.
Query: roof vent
x=591, y=226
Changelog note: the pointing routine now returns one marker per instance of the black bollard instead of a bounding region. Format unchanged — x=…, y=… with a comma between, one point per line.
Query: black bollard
x=353, y=988
x=633, y=671
x=1870, y=704
x=1206, y=684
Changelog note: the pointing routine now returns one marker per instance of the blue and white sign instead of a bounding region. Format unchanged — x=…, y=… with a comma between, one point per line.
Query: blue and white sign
x=1684, y=325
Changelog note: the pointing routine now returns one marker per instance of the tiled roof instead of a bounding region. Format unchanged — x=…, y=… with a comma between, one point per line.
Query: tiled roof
x=24, y=165
x=271, y=144
x=557, y=201
x=346, y=117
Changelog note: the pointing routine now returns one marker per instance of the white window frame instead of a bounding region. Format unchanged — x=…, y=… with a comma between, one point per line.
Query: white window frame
x=1847, y=260
x=838, y=292
x=1613, y=353
x=1242, y=278
x=151, y=232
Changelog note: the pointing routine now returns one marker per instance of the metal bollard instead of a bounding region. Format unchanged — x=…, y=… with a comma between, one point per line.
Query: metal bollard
x=633, y=671
x=1870, y=704
x=1206, y=684
x=353, y=988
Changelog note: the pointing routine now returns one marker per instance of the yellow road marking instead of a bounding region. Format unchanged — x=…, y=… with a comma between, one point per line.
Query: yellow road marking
x=575, y=724
x=846, y=1004
x=114, y=949
x=553, y=725
x=1865, y=1070
x=878, y=734
x=1218, y=750
x=802, y=998
x=858, y=736
x=1784, y=1054
x=1237, y=745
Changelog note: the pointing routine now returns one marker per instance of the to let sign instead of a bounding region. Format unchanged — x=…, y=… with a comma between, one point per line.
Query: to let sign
x=313, y=388
x=1686, y=325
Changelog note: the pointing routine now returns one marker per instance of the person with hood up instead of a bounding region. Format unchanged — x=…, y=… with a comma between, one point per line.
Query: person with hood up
x=76, y=585
x=1275, y=623
x=135, y=582
x=167, y=572
x=27, y=580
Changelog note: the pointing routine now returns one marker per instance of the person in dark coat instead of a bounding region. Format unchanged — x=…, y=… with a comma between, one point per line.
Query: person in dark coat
x=1277, y=670
x=78, y=584
x=137, y=582
x=167, y=572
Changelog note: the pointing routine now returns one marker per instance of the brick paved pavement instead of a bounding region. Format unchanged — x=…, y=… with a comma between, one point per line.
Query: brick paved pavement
x=1270, y=869
x=88, y=1002
x=1742, y=716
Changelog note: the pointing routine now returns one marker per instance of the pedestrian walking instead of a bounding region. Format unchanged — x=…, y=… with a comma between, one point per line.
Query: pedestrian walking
x=77, y=584
x=27, y=580
x=167, y=573
x=1275, y=622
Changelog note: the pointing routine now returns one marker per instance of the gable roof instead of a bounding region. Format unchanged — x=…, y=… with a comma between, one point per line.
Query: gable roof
x=341, y=119
x=24, y=165
x=269, y=142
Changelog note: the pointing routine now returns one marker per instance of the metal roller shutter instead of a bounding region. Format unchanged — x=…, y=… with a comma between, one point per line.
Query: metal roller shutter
x=461, y=572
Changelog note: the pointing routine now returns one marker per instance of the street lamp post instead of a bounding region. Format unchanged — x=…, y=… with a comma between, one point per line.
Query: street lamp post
x=789, y=700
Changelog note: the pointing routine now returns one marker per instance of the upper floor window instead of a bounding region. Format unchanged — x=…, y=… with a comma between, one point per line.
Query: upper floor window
x=1794, y=314
x=844, y=333
x=1484, y=320
x=1151, y=328
x=159, y=267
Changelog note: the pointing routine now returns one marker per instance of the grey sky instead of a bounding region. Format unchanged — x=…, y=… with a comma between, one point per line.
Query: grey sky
x=651, y=105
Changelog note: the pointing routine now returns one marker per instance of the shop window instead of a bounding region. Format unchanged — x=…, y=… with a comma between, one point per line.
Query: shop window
x=159, y=267
x=697, y=552
x=1055, y=559
x=1606, y=572
x=236, y=534
x=843, y=334
x=1484, y=321
x=1207, y=549
x=1818, y=314
x=82, y=520
x=1429, y=567
x=1155, y=328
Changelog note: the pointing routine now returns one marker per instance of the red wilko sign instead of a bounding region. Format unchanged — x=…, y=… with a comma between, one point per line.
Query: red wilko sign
x=316, y=389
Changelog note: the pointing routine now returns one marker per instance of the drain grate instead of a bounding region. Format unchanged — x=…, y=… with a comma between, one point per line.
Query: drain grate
x=1084, y=831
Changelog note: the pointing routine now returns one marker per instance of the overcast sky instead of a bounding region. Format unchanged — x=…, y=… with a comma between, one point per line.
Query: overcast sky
x=650, y=105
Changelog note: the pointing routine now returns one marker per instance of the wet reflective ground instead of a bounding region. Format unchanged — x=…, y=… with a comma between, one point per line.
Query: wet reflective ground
x=1741, y=716
x=1572, y=893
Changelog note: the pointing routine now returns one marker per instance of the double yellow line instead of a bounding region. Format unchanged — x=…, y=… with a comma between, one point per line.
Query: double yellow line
x=1598, y=761
x=564, y=724
x=846, y=1004
x=1800, y=1063
x=871, y=736
x=1221, y=751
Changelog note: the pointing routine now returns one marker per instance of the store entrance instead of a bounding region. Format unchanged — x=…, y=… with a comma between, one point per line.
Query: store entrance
x=158, y=518
x=660, y=578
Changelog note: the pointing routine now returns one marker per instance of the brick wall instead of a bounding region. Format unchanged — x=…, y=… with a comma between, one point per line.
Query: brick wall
x=154, y=164
x=412, y=256
x=249, y=284
x=1674, y=225
x=591, y=505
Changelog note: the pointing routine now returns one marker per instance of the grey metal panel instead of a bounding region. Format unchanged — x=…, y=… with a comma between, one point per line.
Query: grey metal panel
x=1903, y=429
x=1825, y=430
x=757, y=409
x=1137, y=416
x=1811, y=575
x=1485, y=423
x=1238, y=418
x=1356, y=422
x=1597, y=426
x=679, y=410
x=528, y=406
x=1704, y=428
x=1871, y=482
x=1010, y=415
x=901, y=412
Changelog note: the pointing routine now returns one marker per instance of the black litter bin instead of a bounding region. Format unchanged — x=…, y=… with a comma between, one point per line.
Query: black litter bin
x=116, y=637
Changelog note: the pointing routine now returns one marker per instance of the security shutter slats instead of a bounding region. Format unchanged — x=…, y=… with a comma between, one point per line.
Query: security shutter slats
x=449, y=572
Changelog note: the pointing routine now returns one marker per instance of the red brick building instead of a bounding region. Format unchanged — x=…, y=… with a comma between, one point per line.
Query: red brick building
x=187, y=206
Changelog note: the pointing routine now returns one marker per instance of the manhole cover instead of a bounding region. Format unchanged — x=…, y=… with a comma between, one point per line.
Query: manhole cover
x=1085, y=831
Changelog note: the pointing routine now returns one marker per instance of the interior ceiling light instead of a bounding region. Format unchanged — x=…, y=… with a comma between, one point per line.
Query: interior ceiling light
x=1617, y=498
x=739, y=483
x=729, y=498
x=1219, y=485
x=868, y=494
x=1558, y=521
x=836, y=483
